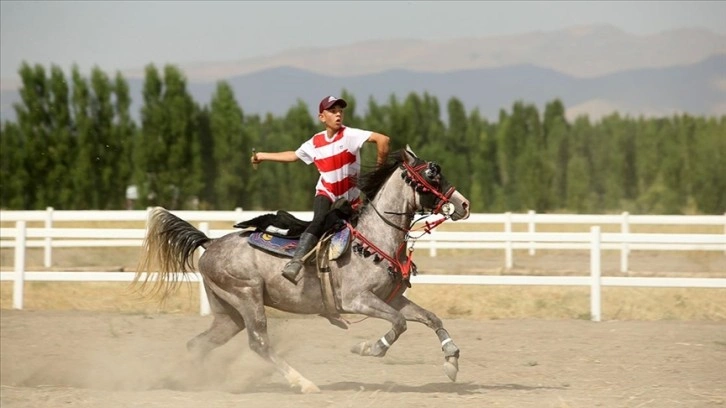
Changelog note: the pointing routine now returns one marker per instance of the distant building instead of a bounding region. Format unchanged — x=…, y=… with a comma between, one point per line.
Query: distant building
x=132, y=194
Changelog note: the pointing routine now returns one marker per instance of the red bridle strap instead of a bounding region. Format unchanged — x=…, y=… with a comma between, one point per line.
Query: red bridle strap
x=404, y=269
x=443, y=198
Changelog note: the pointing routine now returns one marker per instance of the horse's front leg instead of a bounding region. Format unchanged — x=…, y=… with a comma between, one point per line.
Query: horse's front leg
x=413, y=312
x=368, y=304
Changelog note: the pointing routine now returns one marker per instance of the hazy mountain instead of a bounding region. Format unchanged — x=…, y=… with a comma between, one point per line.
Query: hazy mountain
x=583, y=51
x=699, y=89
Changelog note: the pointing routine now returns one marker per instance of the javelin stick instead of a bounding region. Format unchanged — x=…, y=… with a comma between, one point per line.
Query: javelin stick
x=254, y=154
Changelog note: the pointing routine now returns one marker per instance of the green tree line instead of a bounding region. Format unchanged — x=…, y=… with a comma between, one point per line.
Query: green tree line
x=74, y=145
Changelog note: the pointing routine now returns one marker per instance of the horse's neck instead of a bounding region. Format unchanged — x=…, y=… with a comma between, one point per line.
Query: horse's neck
x=393, y=203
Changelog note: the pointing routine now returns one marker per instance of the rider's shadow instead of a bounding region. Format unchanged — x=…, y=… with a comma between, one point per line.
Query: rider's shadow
x=460, y=388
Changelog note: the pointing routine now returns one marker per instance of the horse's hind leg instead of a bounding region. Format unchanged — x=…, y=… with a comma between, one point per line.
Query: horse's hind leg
x=226, y=324
x=248, y=301
x=413, y=312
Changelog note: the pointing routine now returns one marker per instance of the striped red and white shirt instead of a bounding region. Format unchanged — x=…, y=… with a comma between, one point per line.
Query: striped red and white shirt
x=337, y=160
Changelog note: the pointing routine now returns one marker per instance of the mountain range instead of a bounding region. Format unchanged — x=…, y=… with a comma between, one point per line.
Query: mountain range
x=594, y=70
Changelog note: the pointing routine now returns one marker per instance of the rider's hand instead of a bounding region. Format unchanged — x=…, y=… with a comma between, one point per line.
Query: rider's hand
x=255, y=159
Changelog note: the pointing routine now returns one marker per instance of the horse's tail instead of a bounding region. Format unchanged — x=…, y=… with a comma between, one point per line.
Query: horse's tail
x=168, y=248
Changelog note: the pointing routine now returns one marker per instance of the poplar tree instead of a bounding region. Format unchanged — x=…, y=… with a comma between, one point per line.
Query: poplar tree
x=61, y=144
x=34, y=124
x=231, y=150
x=84, y=171
x=580, y=191
x=13, y=175
x=506, y=155
x=151, y=149
x=297, y=126
x=534, y=173
x=456, y=147
x=272, y=178
x=709, y=167
x=378, y=118
x=181, y=179
x=207, y=196
x=108, y=150
x=124, y=134
x=557, y=151
x=649, y=148
x=169, y=162
x=481, y=155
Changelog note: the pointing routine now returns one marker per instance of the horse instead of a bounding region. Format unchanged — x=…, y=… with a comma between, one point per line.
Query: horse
x=368, y=279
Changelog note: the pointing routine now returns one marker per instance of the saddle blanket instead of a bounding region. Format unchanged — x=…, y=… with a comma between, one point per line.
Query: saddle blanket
x=286, y=246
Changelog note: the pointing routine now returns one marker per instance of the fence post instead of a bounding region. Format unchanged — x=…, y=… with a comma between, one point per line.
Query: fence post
x=595, y=274
x=624, y=246
x=19, y=281
x=48, y=250
x=204, y=308
x=531, y=231
x=508, y=261
x=432, y=248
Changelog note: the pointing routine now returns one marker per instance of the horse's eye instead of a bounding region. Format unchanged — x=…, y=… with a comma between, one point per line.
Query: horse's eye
x=432, y=171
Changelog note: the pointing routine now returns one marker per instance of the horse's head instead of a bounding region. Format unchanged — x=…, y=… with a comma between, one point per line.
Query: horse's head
x=434, y=193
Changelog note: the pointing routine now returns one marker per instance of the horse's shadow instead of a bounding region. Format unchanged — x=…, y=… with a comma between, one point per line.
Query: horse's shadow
x=460, y=388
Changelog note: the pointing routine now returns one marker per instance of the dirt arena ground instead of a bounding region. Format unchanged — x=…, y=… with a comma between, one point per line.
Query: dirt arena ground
x=53, y=358
x=87, y=359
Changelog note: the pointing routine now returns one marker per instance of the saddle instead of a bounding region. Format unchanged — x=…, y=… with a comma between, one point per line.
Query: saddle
x=336, y=243
x=279, y=233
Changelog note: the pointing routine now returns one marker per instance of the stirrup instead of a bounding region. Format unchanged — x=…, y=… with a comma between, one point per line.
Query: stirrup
x=291, y=270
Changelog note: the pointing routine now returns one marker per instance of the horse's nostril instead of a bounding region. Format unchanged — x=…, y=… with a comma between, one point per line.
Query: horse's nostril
x=465, y=205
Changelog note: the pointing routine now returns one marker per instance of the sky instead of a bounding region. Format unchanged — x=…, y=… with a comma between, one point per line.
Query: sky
x=121, y=35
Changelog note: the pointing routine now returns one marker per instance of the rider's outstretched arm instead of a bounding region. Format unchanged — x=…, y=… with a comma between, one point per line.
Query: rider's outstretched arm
x=286, y=157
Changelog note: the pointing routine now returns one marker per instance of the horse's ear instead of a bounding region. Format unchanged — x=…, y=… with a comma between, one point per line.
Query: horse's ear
x=409, y=156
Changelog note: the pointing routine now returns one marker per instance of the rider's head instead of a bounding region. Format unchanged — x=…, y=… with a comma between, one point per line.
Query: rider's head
x=330, y=112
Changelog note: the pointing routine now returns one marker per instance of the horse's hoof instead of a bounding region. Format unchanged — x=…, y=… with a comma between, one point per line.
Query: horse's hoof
x=361, y=348
x=337, y=321
x=309, y=388
x=451, y=367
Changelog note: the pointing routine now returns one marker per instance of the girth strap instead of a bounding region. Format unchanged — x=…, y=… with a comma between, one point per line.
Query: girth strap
x=326, y=284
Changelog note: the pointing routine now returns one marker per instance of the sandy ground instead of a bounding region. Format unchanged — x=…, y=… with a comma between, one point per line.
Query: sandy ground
x=110, y=360
x=83, y=359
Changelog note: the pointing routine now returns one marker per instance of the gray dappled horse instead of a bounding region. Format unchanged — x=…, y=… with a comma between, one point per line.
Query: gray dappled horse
x=241, y=280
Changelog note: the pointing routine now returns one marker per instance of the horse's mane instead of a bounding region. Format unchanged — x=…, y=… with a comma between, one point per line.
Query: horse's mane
x=370, y=182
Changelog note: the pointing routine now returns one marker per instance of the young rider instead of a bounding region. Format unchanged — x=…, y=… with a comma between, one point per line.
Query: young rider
x=336, y=153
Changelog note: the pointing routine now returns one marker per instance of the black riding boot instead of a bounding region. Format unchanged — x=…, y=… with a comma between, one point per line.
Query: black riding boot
x=292, y=268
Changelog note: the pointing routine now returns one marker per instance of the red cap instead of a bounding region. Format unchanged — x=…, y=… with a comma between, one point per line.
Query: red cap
x=328, y=103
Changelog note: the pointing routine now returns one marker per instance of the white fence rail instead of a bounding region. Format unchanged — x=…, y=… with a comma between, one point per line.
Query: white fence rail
x=20, y=238
x=506, y=240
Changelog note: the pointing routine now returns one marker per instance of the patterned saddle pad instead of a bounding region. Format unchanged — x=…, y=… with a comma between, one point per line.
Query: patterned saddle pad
x=339, y=243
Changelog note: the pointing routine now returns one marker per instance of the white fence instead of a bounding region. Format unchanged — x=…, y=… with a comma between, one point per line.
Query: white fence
x=20, y=238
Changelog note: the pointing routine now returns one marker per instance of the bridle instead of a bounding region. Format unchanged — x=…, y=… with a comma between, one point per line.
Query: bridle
x=424, y=178
x=421, y=184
